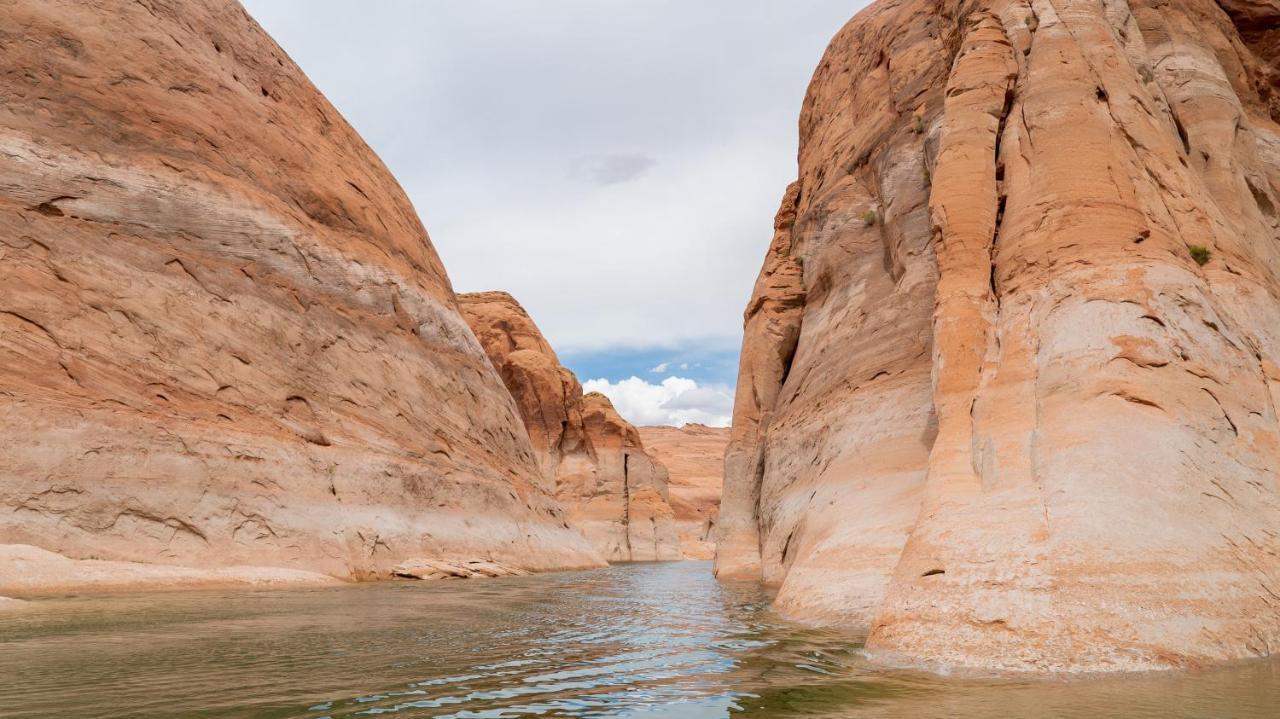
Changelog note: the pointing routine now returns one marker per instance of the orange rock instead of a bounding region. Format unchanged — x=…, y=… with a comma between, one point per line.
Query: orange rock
x=771, y=329
x=225, y=337
x=694, y=458
x=990, y=406
x=591, y=458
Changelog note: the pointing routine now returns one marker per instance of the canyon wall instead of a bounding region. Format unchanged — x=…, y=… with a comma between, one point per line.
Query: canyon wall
x=1009, y=381
x=592, y=460
x=694, y=458
x=225, y=337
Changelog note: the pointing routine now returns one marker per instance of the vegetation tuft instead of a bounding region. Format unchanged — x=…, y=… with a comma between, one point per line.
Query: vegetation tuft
x=1200, y=254
x=869, y=218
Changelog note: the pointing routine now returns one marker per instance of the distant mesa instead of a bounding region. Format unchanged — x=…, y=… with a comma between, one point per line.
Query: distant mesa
x=694, y=458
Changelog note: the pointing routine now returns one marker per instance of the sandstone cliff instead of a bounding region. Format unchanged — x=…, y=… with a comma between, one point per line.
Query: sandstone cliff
x=591, y=459
x=694, y=458
x=1009, y=383
x=225, y=338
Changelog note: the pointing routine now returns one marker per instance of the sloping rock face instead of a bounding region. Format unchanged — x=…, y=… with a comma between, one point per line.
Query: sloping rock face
x=31, y=570
x=225, y=338
x=694, y=458
x=591, y=458
x=990, y=406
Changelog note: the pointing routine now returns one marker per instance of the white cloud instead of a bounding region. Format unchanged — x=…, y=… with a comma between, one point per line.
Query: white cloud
x=675, y=401
x=663, y=367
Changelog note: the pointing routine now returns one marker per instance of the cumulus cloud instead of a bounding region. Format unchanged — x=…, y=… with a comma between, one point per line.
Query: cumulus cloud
x=675, y=401
x=660, y=368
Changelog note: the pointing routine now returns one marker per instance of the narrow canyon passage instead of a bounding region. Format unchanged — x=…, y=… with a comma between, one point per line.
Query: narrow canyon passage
x=1002, y=411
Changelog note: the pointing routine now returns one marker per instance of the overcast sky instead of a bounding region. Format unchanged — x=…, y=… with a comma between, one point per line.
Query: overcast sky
x=614, y=164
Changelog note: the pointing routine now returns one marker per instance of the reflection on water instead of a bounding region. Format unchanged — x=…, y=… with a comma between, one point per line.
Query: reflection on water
x=648, y=640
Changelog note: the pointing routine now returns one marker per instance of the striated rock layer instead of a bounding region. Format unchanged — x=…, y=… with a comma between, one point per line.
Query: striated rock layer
x=991, y=406
x=694, y=458
x=591, y=459
x=225, y=338
x=31, y=570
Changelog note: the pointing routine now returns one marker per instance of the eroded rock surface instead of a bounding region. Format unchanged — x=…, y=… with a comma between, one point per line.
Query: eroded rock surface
x=225, y=338
x=452, y=569
x=26, y=570
x=592, y=459
x=694, y=458
x=990, y=404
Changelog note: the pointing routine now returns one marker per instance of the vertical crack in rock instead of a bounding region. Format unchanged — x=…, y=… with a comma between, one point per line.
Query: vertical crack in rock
x=626, y=501
x=1001, y=197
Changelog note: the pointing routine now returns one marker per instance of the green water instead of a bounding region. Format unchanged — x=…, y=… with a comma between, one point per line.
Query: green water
x=646, y=640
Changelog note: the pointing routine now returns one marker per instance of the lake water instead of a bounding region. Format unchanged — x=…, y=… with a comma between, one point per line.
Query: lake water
x=642, y=640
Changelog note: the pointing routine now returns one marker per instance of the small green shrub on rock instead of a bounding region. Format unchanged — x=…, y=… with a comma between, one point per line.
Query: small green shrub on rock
x=1200, y=254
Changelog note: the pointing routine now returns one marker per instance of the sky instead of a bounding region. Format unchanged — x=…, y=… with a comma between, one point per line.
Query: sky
x=614, y=164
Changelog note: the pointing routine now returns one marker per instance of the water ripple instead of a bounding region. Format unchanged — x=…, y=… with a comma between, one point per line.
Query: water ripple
x=651, y=640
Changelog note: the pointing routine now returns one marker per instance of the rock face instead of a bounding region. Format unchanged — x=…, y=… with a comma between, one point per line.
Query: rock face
x=225, y=337
x=694, y=458
x=471, y=569
x=591, y=458
x=991, y=405
x=31, y=570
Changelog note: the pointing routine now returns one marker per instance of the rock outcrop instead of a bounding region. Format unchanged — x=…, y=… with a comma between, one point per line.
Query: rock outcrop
x=225, y=338
x=469, y=569
x=1009, y=383
x=30, y=570
x=694, y=458
x=592, y=460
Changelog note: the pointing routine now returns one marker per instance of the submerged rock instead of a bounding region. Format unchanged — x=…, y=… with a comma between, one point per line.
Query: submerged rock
x=592, y=459
x=694, y=458
x=225, y=337
x=1009, y=381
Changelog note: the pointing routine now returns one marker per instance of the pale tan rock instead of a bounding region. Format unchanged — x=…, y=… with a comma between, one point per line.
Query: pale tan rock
x=454, y=569
x=225, y=338
x=28, y=570
x=694, y=458
x=593, y=460
x=990, y=407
